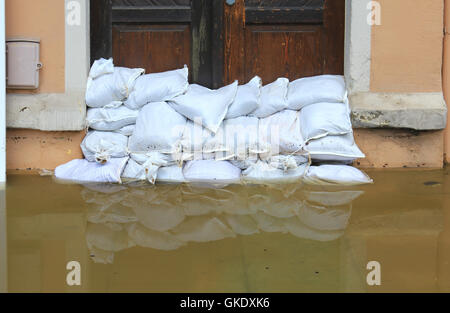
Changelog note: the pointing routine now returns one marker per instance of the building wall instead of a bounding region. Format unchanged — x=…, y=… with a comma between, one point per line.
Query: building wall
x=43, y=19
x=29, y=148
x=407, y=47
x=404, y=56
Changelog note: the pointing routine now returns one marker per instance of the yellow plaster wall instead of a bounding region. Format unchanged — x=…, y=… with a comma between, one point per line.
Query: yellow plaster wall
x=407, y=47
x=44, y=19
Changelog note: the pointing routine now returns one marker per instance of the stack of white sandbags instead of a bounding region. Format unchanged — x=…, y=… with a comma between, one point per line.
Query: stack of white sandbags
x=175, y=132
x=114, y=96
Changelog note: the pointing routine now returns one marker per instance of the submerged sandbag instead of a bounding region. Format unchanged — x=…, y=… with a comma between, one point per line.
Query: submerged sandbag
x=321, y=119
x=111, y=119
x=336, y=175
x=205, y=106
x=157, y=87
x=273, y=98
x=316, y=89
x=158, y=128
x=85, y=171
x=100, y=146
x=211, y=172
x=334, y=148
x=109, y=85
x=247, y=100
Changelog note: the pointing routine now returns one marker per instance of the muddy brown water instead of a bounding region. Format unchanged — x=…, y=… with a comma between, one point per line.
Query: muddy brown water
x=237, y=239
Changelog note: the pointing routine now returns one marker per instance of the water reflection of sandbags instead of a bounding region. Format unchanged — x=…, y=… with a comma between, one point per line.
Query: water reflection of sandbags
x=167, y=217
x=155, y=208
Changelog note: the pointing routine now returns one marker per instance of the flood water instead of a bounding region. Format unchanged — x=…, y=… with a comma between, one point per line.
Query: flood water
x=169, y=238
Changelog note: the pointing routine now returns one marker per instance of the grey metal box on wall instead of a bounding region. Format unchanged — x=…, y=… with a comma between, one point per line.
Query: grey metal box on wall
x=22, y=63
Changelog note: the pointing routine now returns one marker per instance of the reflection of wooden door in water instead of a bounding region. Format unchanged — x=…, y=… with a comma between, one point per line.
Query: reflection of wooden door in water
x=219, y=42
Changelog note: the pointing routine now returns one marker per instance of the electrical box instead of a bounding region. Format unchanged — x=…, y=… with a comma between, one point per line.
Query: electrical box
x=22, y=63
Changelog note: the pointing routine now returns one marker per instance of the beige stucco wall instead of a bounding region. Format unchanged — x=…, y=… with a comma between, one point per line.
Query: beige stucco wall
x=407, y=47
x=42, y=19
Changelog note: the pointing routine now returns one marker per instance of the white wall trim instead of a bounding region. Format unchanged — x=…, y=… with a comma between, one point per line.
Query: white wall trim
x=358, y=35
x=2, y=94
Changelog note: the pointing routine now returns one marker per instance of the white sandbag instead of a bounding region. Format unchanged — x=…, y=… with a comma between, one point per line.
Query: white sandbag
x=263, y=173
x=145, y=166
x=100, y=146
x=126, y=130
x=287, y=162
x=247, y=99
x=193, y=140
x=205, y=106
x=109, y=88
x=202, y=229
x=134, y=171
x=158, y=128
x=85, y=171
x=321, y=119
x=336, y=175
x=237, y=139
x=110, y=119
x=245, y=164
x=334, y=148
x=316, y=89
x=157, y=87
x=171, y=174
x=280, y=133
x=210, y=172
x=273, y=98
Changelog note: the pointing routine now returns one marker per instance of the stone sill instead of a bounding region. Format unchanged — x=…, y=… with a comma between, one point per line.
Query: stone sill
x=67, y=112
x=46, y=112
x=419, y=111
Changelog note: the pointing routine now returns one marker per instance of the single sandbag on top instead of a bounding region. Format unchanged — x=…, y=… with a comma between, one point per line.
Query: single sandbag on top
x=100, y=146
x=109, y=85
x=205, y=106
x=316, y=89
x=158, y=128
x=157, y=87
x=248, y=98
x=321, y=119
x=273, y=98
x=336, y=175
x=111, y=119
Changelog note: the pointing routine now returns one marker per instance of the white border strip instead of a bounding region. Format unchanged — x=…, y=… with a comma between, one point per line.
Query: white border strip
x=2, y=95
x=358, y=34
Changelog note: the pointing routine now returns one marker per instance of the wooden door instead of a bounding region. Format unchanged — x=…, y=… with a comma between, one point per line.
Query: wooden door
x=160, y=35
x=221, y=42
x=283, y=38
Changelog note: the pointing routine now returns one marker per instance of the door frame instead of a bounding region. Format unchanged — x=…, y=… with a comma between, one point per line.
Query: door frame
x=357, y=45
